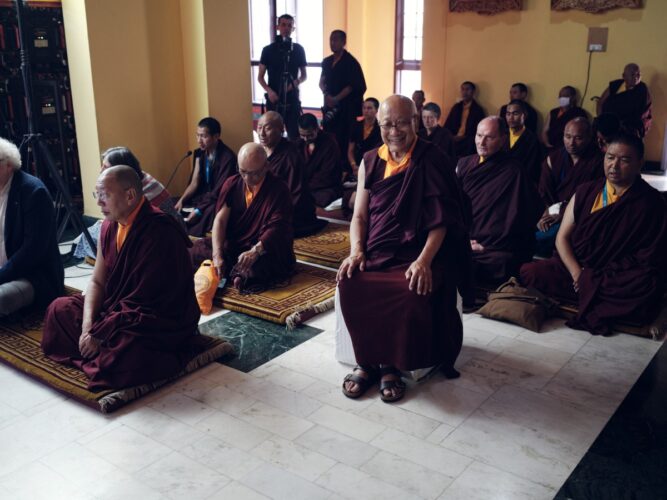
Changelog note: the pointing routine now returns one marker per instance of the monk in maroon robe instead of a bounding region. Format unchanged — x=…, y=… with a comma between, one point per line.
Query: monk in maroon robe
x=287, y=164
x=563, y=171
x=524, y=144
x=630, y=100
x=463, y=119
x=504, y=206
x=213, y=164
x=408, y=256
x=322, y=161
x=252, y=232
x=433, y=132
x=138, y=320
x=554, y=127
x=611, y=246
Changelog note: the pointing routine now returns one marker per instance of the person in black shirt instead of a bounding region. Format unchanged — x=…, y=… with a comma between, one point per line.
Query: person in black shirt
x=285, y=62
x=343, y=85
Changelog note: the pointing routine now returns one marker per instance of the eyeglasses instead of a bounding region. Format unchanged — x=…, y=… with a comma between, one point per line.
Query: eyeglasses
x=398, y=124
x=99, y=196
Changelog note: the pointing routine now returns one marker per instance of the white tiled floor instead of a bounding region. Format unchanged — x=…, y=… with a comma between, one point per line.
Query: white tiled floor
x=523, y=413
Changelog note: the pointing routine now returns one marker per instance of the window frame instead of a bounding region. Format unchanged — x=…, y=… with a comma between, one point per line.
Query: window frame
x=401, y=64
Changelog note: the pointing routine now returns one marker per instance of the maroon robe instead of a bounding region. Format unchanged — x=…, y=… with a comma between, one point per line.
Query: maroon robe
x=622, y=250
x=224, y=165
x=528, y=152
x=323, y=168
x=268, y=219
x=504, y=208
x=558, y=183
x=441, y=137
x=287, y=164
x=466, y=146
x=388, y=323
x=633, y=107
x=147, y=324
x=557, y=124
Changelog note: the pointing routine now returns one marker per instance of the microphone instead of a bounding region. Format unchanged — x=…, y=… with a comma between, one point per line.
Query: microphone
x=187, y=155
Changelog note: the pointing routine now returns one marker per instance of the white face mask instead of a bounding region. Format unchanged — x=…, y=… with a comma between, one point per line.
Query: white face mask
x=563, y=101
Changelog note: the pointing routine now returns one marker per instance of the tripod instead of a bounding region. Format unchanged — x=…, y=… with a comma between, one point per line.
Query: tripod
x=34, y=146
x=289, y=108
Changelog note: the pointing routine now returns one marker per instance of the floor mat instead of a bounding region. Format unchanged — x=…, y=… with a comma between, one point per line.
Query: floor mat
x=20, y=340
x=327, y=248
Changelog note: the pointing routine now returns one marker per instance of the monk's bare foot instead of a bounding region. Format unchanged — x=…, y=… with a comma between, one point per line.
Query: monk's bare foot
x=358, y=382
x=237, y=282
x=392, y=387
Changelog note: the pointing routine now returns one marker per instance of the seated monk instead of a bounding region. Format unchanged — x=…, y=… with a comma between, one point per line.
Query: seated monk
x=408, y=255
x=463, y=119
x=322, y=161
x=554, y=126
x=606, y=126
x=563, y=171
x=611, y=246
x=30, y=268
x=139, y=314
x=524, y=145
x=252, y=231
x=503, y=206
x=153, y=190
x=630, y=99
x=287, y=164
x=519, y=92
x=433, y=132
x=213, y=164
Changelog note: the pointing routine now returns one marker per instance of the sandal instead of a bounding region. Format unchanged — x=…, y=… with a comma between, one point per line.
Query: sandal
x=363, y=383
x=385, y=385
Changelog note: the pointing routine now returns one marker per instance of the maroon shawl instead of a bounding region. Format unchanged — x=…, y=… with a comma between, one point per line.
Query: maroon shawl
x=287, y=164
x=442, y=138
x=558, y=183
x=224, y=165
x=323, y=168
x=633, y=107
x=268, y=219
x=557, y=124
x=453, y=123
x=528, y=152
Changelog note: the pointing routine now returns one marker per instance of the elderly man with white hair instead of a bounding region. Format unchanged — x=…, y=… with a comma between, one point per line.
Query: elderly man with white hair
x=30, y=268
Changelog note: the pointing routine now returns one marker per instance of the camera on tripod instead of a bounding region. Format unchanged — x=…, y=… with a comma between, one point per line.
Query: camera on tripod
x=285, y=44
x=329, y=114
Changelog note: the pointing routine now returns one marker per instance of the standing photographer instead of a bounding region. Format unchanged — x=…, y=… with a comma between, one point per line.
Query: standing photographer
x=343, y=85
x=286, y=63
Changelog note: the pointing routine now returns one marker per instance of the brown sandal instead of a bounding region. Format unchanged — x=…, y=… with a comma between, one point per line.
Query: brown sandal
x=363, y=383
x=391, y=384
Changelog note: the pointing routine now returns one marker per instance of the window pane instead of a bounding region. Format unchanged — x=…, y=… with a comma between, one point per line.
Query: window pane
x=407, y=81
x=259, y=27
x=310, y=93
x=309, y=24
x=257, y=90
x=409, y=49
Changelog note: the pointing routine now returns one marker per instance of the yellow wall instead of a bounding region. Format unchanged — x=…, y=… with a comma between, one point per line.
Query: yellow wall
x=545, y=50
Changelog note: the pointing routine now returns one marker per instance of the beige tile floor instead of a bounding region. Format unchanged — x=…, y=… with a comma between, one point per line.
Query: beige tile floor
x=516, y=423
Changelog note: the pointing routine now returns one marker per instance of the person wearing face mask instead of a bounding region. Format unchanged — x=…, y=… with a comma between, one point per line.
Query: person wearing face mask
x=611, y=246
x=630, y=100
x=322, y=161
x=552, y=134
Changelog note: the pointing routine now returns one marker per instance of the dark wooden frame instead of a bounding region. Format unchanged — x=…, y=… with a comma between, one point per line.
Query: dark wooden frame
x=595, y=6
x=486, y=7
x=400, y=63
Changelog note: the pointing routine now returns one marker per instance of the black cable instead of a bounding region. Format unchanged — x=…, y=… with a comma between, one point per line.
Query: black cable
x=588, y=77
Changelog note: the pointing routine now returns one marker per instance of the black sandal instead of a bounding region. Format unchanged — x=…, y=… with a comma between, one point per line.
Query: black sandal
x=363, y=383
x=391, y=384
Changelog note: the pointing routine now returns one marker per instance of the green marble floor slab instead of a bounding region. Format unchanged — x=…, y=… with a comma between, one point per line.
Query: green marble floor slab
x=255, y=341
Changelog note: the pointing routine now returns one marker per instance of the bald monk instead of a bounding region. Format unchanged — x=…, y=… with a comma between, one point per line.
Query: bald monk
x=138, y=320
x=252, y=231
x=523, y=142
x=463, y=119
x=213, y=163
x=322, y=161
x=611, y=246
x=554, y=127
x=630, y=100
x=563, y=171
x=287, y=164
x=433, y=132
x=504, y=206
x=408, y=254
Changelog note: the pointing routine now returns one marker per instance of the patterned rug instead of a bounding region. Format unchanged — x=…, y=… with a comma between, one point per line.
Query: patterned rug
x=327, y=248
x=20, y=340
x=308, y=289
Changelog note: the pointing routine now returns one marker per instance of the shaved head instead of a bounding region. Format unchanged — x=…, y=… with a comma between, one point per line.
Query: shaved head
x=118, y=192
x=124, y=176
x=398, y=124
x=251, y=153
x=397, y=102
x=272, y=117
x=253, y=164
x=270, y=129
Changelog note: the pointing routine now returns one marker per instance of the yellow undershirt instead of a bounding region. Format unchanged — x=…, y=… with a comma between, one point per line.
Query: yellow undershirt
x=622, y=88
x=612, y=197
x=464, y=120
x=249, y=195
x=123, y=230
x=394, y=167
x=514, y=136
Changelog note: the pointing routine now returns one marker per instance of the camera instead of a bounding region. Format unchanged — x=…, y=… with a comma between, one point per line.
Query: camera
x=329, y=114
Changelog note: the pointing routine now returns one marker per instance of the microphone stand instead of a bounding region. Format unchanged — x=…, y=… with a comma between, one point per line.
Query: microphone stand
x=187, y=155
